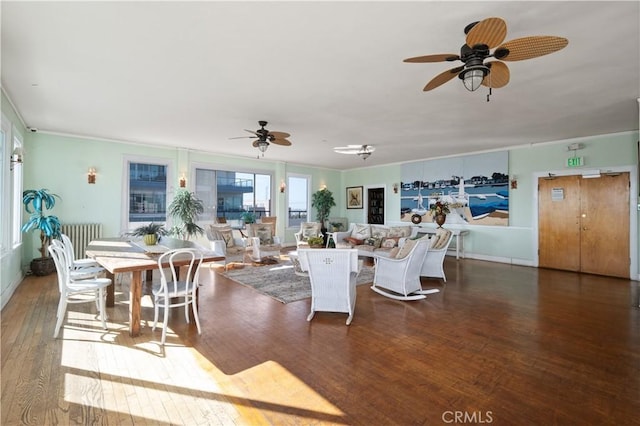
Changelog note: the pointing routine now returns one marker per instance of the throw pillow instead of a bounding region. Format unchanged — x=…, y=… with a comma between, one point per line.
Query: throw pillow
x=265, y=235
x=353, y=241
x=406, y=249
x=399, y=231
x=389, y=242
x=227, y=237
x=309, y=230
x=361, y=232
x=440, y=239
x=393, y=253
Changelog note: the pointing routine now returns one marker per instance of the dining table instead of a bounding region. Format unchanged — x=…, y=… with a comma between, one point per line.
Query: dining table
x=121, y=255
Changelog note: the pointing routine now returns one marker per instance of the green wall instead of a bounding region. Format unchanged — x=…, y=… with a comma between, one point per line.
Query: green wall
x=516, y=242
x=60, y=164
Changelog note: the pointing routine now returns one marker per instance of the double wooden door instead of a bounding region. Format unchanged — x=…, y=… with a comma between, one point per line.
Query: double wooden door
x=583, y=224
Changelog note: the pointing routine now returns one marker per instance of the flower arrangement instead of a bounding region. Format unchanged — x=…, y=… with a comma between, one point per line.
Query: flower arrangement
x=439, y=207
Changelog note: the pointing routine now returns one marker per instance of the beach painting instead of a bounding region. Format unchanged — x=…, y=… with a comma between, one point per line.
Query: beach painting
x=475, y=186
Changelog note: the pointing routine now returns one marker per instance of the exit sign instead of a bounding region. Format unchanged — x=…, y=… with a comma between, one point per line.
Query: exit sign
x=575, y=162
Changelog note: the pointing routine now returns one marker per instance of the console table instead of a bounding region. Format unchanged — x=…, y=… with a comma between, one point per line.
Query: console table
x=457, y=233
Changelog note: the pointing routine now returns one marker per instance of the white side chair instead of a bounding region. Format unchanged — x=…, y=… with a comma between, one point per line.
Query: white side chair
x=333, y=274
x=81, y=270
x=171, y=286
x=399, y=278
x=433, y=265
x=76, y=262
x=76, y=291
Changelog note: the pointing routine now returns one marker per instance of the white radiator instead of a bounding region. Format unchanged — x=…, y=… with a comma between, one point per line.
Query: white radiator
x=81, y=234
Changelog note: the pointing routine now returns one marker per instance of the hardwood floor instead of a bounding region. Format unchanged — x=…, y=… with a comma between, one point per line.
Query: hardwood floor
x=500, y=344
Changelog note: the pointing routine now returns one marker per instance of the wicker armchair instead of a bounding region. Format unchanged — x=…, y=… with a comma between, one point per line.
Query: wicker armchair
x=333, y=275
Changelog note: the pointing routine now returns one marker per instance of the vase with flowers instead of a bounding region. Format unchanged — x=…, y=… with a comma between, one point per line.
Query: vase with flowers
x=439, y=211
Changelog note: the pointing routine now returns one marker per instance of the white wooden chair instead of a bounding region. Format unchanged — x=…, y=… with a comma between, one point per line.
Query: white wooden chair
x=333, y=274
x=76, y=291
x=78, y=269
x=399, y=278
x=172, y=287
x=433, y=265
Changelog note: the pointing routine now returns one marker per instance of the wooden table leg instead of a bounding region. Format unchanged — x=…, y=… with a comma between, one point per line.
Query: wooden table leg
x=135, y=302
x=111, y=290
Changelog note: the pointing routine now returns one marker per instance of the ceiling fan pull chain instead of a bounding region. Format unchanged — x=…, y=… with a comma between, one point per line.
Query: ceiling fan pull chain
x=489, y=94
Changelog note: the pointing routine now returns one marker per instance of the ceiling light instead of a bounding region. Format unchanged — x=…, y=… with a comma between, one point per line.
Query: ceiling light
x=364, y=151
x=472, y=77
x=262, y=146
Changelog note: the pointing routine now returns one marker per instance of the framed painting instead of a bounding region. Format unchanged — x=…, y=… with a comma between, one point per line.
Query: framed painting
x=354, y=197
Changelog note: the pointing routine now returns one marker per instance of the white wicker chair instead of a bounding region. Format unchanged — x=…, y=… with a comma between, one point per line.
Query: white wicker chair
x=263, y=241
x=402, y=276
x=307, y=229
x=333, y=275
x=433, y=265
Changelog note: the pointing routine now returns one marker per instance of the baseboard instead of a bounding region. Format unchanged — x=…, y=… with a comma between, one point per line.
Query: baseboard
x=8, y=292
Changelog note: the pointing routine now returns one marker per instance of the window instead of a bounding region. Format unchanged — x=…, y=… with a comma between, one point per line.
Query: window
x=230, y=194
x=147, y=193
x=298, y=189
x=10, y=187
x=16, y=194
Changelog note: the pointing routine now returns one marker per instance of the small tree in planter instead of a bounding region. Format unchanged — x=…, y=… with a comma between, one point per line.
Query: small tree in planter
x=322, y=200
x=186, y=208
x=36, y=201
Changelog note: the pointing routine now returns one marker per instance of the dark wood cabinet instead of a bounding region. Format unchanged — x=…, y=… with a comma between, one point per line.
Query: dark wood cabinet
x=375, y=206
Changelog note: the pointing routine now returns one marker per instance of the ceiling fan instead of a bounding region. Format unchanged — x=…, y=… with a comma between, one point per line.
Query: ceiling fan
x=364, y=151
x=266, y=137
x=482, y=36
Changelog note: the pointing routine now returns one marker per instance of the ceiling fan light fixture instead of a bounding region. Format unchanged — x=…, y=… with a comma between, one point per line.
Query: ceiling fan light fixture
x=472, y=77
x=262, y=146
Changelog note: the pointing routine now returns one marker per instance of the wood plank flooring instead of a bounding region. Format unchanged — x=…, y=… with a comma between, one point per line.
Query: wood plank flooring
x=500, y=344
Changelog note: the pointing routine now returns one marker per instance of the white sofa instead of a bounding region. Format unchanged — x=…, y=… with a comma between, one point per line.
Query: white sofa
x=370, y=240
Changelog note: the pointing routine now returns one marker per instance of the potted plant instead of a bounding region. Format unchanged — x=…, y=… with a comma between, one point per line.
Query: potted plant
x=248, y=217
x=316, y=242
x=36, y=201
x=322, y=200
x=150, y=233
x=185, y=209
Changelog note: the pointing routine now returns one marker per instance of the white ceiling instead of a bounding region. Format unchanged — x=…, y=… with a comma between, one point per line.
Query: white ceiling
x=193, y=75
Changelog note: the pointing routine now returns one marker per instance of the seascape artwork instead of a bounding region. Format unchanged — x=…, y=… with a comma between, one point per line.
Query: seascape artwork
x=476, y=188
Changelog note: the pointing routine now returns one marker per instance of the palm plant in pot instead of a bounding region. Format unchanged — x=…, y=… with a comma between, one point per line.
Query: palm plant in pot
x=36, y=201
x=150, y=233
x=185, y=209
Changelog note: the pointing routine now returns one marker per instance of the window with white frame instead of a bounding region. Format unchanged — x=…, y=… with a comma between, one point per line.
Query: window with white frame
x=229, y=194
x=147, y=191
x=298, y=189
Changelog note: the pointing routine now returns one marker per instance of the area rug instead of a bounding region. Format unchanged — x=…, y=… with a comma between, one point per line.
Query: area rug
x=281, y=283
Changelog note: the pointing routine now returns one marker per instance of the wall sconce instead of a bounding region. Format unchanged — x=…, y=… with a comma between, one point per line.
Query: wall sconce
x=183, y=181
x=323, y=187
x=17, y=157
x=395, y=188
x=91, y=175
x=283, y=187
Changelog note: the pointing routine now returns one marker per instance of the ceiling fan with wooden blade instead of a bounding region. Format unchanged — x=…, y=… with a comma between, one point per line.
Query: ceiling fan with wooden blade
x=266, y=137
x=482, y=36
